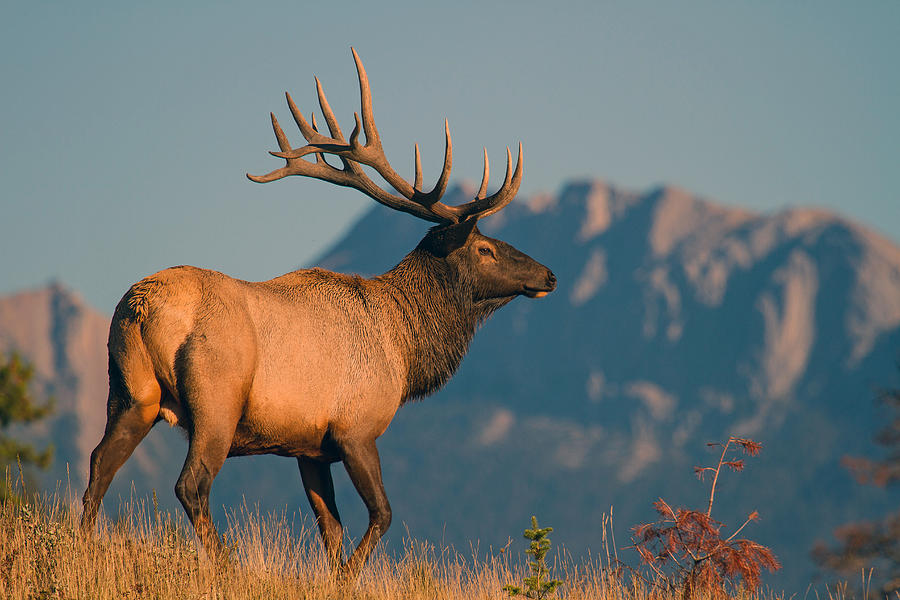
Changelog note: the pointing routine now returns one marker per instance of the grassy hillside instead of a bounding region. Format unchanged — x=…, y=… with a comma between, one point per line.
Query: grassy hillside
x=145, y=553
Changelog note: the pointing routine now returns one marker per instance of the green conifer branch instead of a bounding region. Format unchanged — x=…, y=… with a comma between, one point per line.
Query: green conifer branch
x=538, y=585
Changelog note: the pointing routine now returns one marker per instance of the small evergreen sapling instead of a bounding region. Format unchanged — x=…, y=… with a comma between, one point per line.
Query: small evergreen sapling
x=538, y=585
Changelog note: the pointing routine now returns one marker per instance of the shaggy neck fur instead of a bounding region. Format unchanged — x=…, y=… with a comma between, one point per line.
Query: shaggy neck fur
x=438, y=318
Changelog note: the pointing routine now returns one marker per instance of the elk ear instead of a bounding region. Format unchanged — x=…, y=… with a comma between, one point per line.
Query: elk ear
x=444, y=239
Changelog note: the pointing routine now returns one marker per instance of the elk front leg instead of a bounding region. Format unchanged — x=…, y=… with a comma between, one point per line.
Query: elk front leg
x=319, y=488
x=364, y=468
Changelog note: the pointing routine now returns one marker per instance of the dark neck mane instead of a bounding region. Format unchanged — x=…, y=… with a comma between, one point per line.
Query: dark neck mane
x=437, y=319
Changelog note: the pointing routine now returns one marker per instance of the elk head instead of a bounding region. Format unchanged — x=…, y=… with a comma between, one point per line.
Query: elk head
x=490, y=268
x=494, y=269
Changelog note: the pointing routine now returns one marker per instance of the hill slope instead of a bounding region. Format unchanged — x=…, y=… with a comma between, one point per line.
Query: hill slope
x=677, y=321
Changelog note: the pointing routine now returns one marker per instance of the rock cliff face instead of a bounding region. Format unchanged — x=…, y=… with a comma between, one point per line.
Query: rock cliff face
x=677, y=321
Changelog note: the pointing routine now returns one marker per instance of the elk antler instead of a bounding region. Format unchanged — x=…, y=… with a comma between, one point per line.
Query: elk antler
x=353, y=154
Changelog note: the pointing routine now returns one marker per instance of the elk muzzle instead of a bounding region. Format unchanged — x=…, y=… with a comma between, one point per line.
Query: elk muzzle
x=542, y=289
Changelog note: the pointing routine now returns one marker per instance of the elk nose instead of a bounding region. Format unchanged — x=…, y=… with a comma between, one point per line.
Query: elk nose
x=551, y=279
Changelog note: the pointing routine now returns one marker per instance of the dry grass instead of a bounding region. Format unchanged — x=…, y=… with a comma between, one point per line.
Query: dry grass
x=144, y=554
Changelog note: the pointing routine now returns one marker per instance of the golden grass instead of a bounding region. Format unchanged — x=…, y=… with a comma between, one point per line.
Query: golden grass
x=145, y=554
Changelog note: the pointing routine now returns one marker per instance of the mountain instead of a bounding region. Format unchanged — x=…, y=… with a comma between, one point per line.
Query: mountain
x=677, y=322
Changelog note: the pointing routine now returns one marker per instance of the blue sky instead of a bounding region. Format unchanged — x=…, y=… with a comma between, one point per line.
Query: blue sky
x=127, y=128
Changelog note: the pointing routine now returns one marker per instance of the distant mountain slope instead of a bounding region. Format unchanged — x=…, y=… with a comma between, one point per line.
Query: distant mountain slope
x=677, y=321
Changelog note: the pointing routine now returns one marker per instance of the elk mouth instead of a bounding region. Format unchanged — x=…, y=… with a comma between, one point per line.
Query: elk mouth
x=540, y=292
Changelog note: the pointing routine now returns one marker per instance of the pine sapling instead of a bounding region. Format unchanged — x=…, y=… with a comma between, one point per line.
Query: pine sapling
x=538, y=584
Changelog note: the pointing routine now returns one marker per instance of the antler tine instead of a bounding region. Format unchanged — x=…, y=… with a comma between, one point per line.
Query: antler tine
x=506, y=178
x=283, y=142
x=417, y=183
x=330, y=119
x=365, y=94
x=308, y=131
x=484, y=177
x=433, y=197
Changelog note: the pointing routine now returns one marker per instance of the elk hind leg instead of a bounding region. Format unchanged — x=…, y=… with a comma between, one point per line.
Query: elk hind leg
x=129, y=418
x=210, y=441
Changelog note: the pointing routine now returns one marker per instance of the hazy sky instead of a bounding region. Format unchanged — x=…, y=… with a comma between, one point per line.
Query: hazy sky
x=126, y=128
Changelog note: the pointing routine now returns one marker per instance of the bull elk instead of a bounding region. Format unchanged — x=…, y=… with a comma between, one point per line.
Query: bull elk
x=312, y=364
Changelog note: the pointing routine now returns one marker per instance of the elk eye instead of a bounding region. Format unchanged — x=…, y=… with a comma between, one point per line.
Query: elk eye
x=485, y=251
